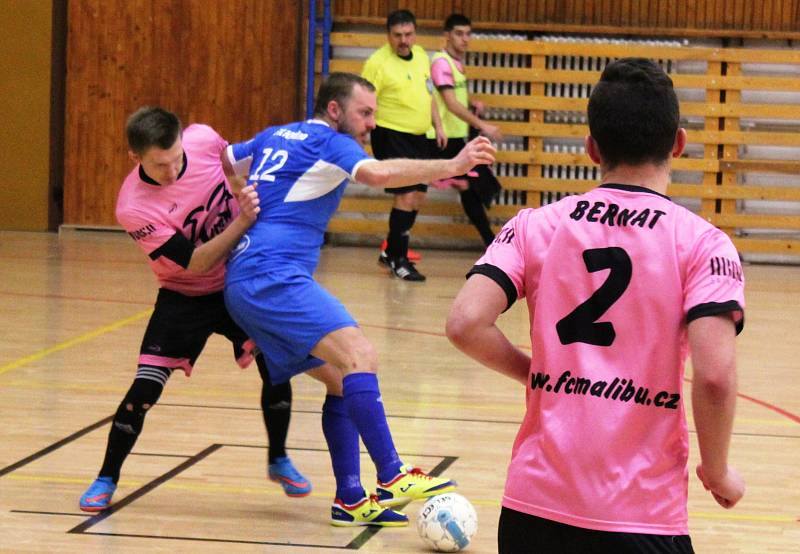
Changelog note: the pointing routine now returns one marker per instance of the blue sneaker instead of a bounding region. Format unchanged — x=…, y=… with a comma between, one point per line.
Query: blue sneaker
x=98, y=496
x=284, y=473
x=366, y=511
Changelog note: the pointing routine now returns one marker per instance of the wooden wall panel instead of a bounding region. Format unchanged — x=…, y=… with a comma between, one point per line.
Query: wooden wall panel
x=723, y=172
x=732, y=18
x=236, y=65
x=25, y=31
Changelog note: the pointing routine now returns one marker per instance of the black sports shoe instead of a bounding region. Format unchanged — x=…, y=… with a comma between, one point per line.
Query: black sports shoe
x=383, y=259
x=405, y=270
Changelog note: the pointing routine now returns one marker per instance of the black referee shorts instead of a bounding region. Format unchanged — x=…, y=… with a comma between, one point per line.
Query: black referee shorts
x=388, y=143
x=485, y=185
x=454, y=146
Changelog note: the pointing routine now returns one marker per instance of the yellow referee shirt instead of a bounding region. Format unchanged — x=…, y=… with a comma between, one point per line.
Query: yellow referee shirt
x=403, y=89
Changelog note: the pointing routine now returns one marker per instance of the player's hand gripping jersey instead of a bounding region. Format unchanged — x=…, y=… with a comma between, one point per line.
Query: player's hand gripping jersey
x=300, y=171
x=167, y=222
x=605, y=274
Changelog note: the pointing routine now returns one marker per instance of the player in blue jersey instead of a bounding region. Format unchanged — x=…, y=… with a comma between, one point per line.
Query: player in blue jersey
x=300, y=171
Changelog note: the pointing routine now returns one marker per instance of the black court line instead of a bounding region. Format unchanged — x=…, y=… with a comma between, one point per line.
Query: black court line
x=355, y=544
x=294, y=411
x=206, y=539
x=138, y=493
x=82, y=528
x=157, y=455
x=264, y=446
x=37, y=512
x=453, y=419
x=429, y=418
x=210, y=407
x=370, y=532
x=55, y=446
x=309, y=449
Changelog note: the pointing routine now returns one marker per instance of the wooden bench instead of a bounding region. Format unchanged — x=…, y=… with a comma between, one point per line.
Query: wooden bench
x=719, y=190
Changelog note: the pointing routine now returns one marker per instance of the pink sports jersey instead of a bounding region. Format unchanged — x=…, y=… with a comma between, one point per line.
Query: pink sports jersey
x=612, y=278
x=442, y=74
x=198, y=205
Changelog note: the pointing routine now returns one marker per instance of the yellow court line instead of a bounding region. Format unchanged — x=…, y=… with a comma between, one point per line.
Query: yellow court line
x=210, y=488
x=415, y=405
x=77, y=340
x=501, y=411
x=511, y=410
x=736, y=516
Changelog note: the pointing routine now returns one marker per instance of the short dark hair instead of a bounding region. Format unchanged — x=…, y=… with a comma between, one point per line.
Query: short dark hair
x=455, y=20
x=338, y=87
x=399, y=17
x=152, y=126
x=633, y=113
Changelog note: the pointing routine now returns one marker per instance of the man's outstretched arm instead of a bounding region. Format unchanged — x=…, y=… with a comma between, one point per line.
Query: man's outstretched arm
x=401, y=172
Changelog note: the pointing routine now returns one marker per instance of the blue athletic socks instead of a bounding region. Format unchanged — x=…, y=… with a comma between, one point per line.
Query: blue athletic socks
x=362, y=399
x=341, y=435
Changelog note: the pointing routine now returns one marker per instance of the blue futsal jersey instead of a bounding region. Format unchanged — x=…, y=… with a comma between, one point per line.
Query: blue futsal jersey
x=300, y=171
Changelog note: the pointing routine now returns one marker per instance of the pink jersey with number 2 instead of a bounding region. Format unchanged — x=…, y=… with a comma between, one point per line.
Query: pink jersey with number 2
x=612, y=278
x=199, y=205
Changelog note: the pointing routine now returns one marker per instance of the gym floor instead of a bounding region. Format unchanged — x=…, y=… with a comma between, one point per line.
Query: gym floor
x=74, y=310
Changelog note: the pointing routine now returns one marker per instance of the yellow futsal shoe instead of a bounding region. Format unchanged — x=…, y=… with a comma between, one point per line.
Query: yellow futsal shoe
x=411, y=484
x=366, y=511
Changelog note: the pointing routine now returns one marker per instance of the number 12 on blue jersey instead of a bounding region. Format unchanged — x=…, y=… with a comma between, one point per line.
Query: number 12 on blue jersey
x=278, y=159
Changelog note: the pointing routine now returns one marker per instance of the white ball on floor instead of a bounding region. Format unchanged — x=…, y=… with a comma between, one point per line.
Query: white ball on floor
x=447, y=522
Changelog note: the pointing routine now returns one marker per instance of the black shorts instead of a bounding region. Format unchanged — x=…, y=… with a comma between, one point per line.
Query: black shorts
x=454, y=146
x=520, y=533
x=388, y=143
x=180, y=326
x=485, y=185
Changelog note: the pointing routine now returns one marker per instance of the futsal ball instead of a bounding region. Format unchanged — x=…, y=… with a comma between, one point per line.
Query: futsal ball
x=447, y=522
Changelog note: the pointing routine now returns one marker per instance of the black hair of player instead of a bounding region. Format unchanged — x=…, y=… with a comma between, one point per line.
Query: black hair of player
x=456, y=20
x=338, y=87
x=400, y=17
x=152, y=126
x=633, y=113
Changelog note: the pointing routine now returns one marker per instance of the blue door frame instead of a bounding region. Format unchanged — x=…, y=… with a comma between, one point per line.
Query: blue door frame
x=313, y=24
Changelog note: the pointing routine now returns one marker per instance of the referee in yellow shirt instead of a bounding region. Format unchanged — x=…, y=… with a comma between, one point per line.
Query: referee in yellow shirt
x=400, y=71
